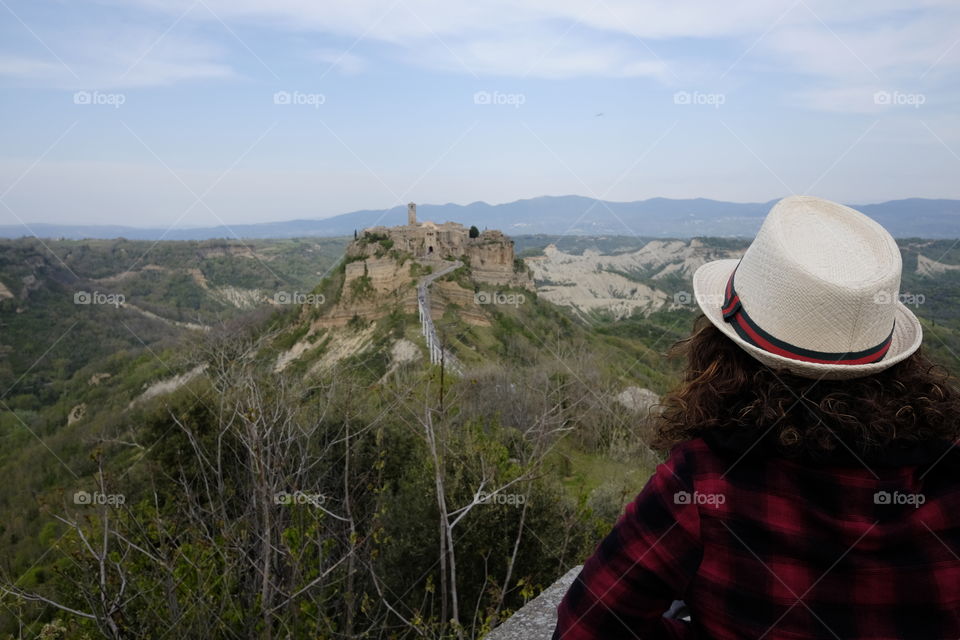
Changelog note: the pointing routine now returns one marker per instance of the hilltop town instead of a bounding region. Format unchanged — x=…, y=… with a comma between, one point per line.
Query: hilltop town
x=490, y=254
x=384, y=263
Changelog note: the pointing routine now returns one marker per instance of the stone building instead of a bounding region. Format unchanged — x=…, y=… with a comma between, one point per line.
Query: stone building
x=426, y=239
x=490, y=254
x=380, y=260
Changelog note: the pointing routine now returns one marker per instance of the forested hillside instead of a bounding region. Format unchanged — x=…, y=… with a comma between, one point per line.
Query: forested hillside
x=301, y=470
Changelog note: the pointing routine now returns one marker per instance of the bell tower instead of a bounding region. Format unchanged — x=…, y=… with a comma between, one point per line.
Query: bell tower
x=412, y=214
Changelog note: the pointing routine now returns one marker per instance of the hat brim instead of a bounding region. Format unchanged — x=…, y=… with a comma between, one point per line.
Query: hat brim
x=709, y=284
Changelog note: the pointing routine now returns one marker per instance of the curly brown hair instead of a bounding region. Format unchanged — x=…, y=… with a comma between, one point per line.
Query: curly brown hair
x=724, y=389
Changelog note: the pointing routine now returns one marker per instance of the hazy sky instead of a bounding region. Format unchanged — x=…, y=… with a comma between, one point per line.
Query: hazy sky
x=200, y=112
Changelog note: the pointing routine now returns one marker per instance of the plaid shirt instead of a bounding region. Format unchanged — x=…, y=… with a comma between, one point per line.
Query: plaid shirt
x=761, y=546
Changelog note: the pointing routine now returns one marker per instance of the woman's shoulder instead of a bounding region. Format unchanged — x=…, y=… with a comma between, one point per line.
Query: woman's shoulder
x=695, y=457
x=722, y=449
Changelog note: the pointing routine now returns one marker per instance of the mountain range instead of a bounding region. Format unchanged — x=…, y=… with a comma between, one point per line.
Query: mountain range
x=567, y=215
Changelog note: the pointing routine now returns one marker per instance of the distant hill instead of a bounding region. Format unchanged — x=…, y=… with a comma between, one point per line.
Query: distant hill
x=67, y=304
x=567, y=215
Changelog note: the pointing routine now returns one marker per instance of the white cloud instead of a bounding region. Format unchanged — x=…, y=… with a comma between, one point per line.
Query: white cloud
x=109, y=57
x=545, y=38
x=21, y=66
x=345, y=62
x=559, y=38
x=414, y=19
x=520, y=55
x=905, y=49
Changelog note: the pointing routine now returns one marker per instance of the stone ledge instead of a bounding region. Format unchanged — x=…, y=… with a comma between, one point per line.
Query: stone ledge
x=536, y=619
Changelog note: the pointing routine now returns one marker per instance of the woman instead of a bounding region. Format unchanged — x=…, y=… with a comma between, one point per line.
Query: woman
x=813, y=486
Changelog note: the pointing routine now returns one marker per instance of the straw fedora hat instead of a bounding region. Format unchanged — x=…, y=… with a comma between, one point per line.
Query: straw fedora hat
x=817, y=292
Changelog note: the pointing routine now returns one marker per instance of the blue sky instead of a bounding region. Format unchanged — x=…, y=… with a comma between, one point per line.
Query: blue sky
x=199, y=112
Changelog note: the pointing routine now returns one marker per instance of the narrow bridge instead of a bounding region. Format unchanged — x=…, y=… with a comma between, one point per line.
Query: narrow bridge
x=437, y=352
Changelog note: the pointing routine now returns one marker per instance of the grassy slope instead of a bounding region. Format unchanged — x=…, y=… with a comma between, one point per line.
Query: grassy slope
x=50, y=349
x=630, y=352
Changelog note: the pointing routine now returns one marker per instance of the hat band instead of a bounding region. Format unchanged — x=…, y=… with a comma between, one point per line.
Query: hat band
x=746, y=328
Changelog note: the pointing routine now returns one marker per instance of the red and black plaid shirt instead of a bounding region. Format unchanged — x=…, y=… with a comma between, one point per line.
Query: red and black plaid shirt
x=761, y=546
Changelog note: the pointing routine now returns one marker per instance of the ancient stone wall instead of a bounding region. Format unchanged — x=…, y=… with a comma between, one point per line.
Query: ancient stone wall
x=386, y=274
x=537, y=619
x=422, y=240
